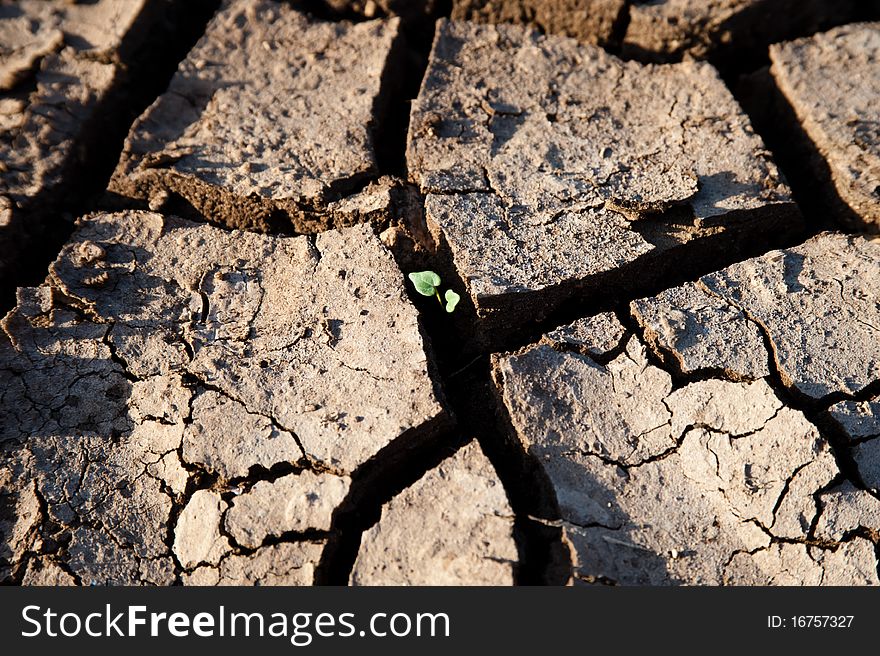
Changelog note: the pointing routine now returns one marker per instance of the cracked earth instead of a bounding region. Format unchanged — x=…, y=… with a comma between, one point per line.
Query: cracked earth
x=661, y=218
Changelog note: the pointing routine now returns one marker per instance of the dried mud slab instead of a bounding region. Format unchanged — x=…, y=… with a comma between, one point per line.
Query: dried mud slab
x=675, y=459
x=269, y=119
x=60, y=63
x=452, y=527
x=40, y=133
x=816, y=305
x=699, y=332
x=176, y=397
x=832, y=83
x=292, y=504
x=588, y=21
x=859, y=423
x=848, y=511
x=554, y=171
x=33, y=29
x=287, y=563
x=595, y=336
x=725, y=30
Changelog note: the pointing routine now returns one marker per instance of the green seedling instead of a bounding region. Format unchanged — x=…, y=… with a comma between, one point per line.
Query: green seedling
x=427, y=283
x=452, y=300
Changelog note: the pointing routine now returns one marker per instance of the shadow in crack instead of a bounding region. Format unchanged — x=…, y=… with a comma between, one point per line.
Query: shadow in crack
x=805, y=169
x=793, y=265
x=397, y=466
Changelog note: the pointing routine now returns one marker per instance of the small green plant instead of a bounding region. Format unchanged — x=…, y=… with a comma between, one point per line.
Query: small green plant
x=427, y=283
x=452, y=300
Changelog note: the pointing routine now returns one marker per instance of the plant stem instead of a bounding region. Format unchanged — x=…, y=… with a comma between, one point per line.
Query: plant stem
x=437, y=294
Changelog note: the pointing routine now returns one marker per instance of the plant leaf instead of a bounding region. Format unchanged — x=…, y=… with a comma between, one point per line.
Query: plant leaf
x=425, y=282
x=452, y=300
